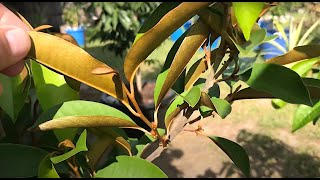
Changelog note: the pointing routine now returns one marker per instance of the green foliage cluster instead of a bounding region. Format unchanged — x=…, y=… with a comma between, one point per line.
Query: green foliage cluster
x=50, y=132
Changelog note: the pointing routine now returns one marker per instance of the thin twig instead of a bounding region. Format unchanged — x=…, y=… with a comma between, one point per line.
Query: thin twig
x=74, y=168
x=224, y=67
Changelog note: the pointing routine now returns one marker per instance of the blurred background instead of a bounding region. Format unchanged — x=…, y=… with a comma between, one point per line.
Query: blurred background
x=107, y=30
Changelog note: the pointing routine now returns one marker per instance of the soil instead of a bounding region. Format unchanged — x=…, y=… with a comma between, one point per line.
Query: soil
x=272, y=149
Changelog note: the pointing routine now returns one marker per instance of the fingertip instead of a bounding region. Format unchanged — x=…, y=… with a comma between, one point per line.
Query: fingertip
x=18, y=41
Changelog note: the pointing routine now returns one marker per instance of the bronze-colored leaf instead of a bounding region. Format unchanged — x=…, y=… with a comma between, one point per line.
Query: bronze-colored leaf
x=296, y=54
x=85, y=122
x=150, y=40
x=66, y=37
x=206, y=101
x=193, y=40
x=73, y=61
x=103, y=70
x=42, y=27
x=195, y=71
x=22, y=19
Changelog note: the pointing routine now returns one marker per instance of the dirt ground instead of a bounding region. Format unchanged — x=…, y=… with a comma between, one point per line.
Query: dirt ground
x=265, y=134
x=273, y=150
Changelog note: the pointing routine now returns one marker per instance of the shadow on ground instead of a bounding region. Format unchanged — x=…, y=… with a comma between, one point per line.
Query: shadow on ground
x=268, y=158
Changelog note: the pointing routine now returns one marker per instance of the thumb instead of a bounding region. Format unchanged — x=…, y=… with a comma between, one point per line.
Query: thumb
x=15, y=44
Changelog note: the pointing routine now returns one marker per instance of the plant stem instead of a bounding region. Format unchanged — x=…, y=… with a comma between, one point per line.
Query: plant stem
x=74, y=168
x=136, y=106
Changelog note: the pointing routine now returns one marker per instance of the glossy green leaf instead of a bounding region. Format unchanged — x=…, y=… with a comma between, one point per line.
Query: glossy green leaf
x=198, y=33
x=296, y=54
x=250, y=93
x=14, y=94
x=222, y=106
x=131, y=167
x=46, y=168
x=311, y=82
x=46, y=82
x=258, y=37
x=205, y=111
x=173, y=108
x=60, y=55
x=235, y=152
x=79, y=108
x=247, y=14
x=278, y=80
x=193, y=96
x=179, y=88
x=305, y=114
x=301, y=68
x=278, y=103
x=304, y=66
x=80, y=146
x=151, y=39
x=20, y=161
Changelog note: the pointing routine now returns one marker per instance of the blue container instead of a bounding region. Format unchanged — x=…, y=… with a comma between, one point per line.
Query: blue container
x=175, y=36
x=267, y=47
x=78, y=35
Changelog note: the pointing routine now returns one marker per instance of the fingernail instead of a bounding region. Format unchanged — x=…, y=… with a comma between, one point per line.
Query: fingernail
x=18, y=41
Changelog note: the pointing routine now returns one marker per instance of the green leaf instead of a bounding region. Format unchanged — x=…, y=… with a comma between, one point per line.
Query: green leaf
x=205, y=111
x=304, y=66
x=51, y=88
x=159, y=32
x=301, y=68
x=312, y=82
x=19, y=161
x=278, y=80
x=79, y=108
x=247, y=13
x=304, y=115
x=80, y=146
x=131, y=167
x=235, y=152
x=278, y=103
x=198, y=33
x=173, y=107
x=193, y=96
x=258, y=37
x=125, y=20
x=222, y=106
x=165, y=69
x=14, y=94
x=46, y=168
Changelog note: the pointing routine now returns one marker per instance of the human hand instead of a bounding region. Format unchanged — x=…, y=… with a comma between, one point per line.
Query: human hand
x=14, y=43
